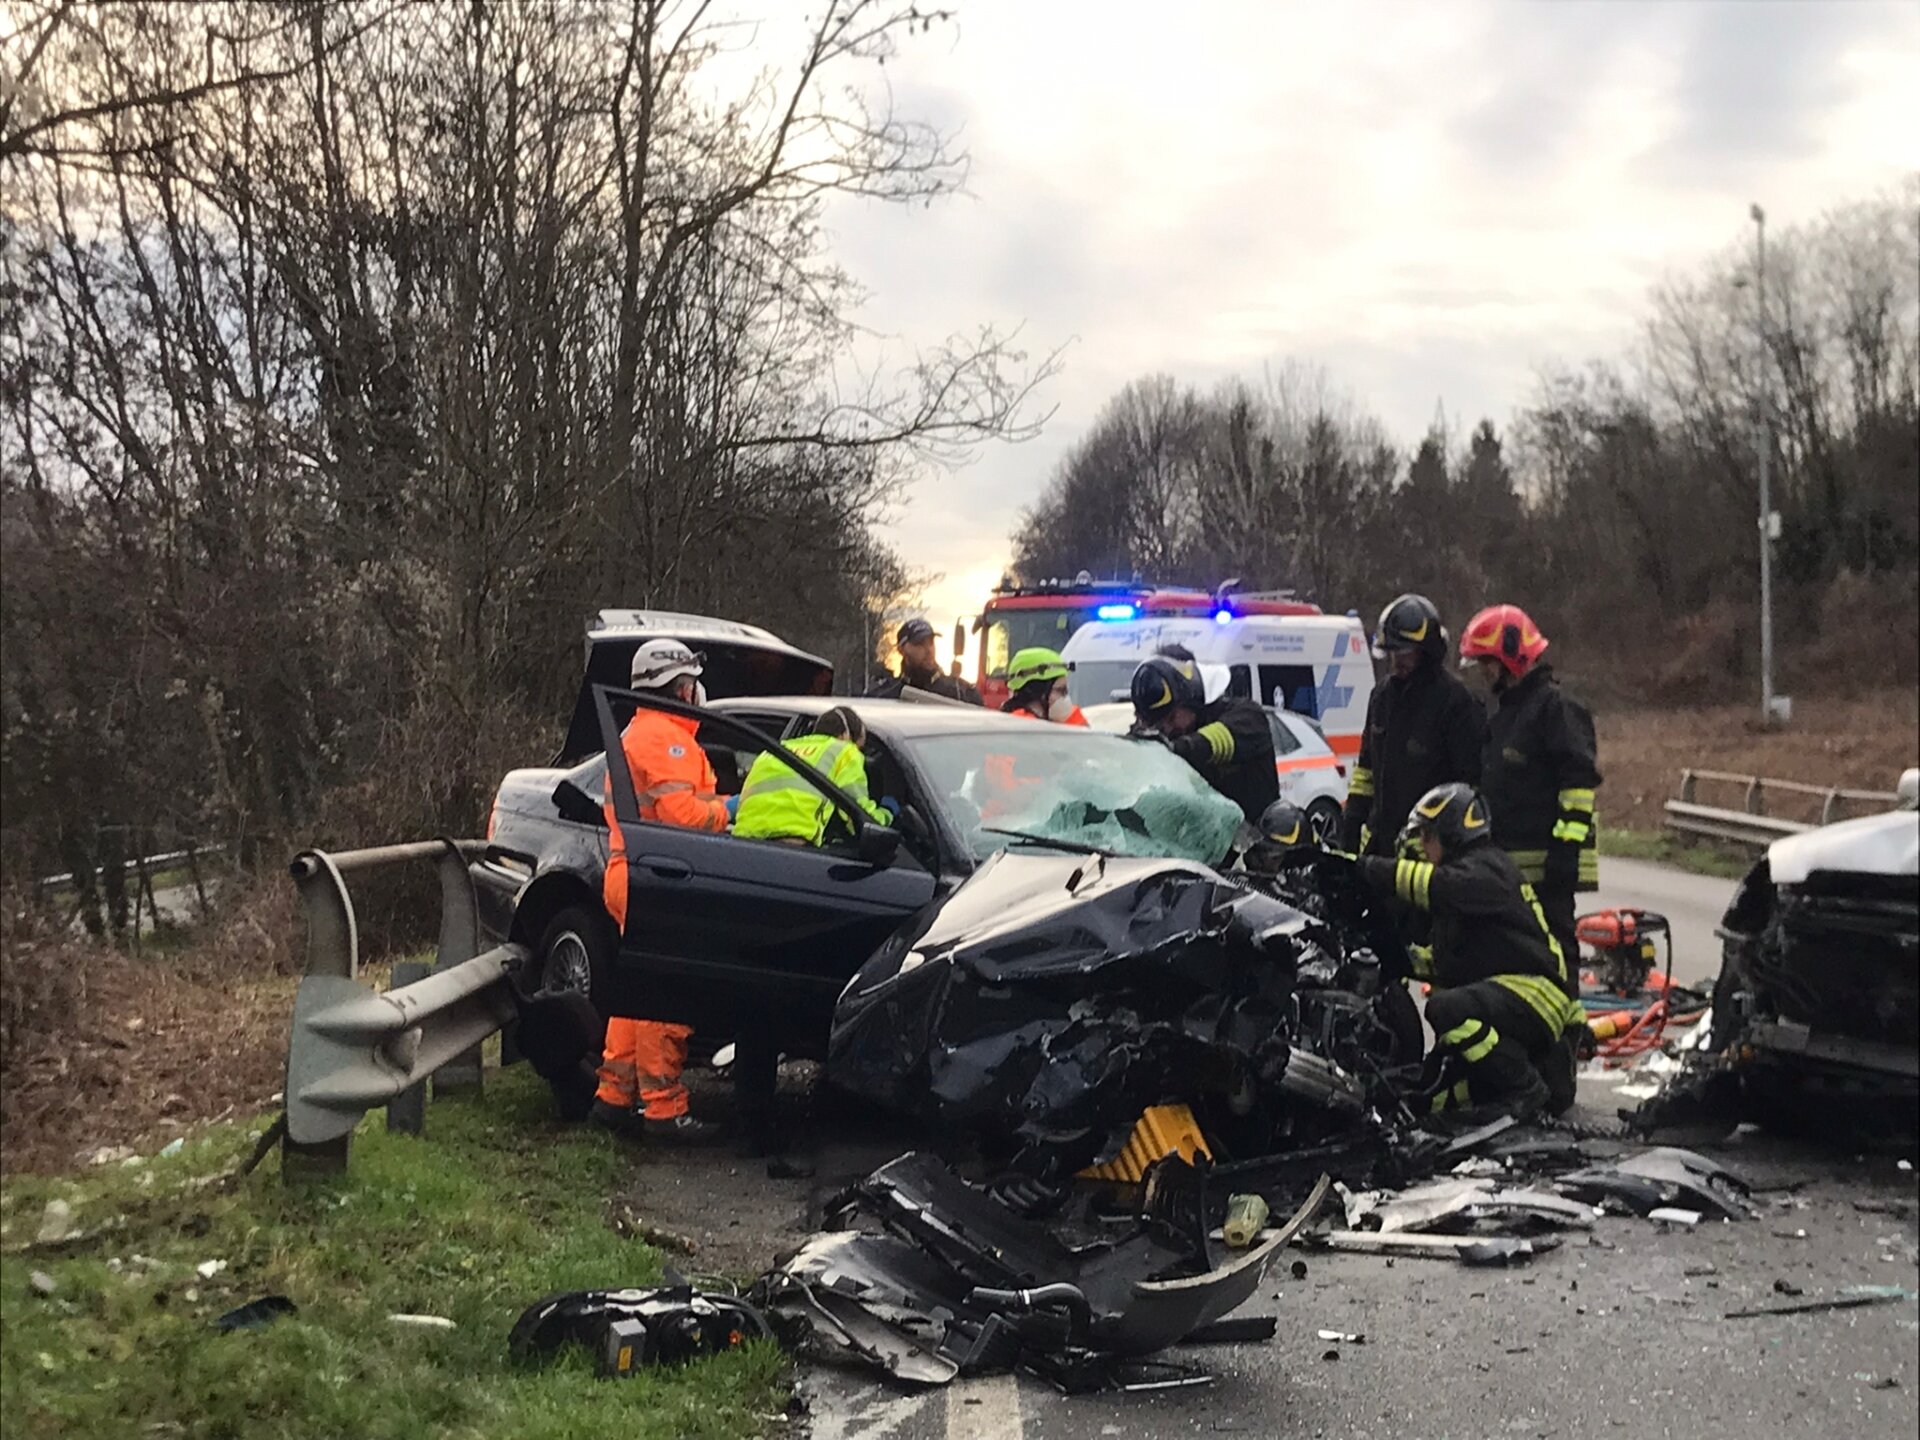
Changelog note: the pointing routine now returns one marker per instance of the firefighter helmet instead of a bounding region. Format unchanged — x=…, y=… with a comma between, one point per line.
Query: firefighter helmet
x=658, y=664
x=1036, y=663
x=1285, y=824
x=1455, y=814
x=1161, y=686
x=1505, y=633
x=1410, y=623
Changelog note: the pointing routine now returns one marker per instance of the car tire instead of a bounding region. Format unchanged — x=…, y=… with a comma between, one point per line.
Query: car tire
x=1323, y=820
x=575, y=950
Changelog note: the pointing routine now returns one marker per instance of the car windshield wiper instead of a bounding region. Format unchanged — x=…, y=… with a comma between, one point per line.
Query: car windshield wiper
x=1047, y=840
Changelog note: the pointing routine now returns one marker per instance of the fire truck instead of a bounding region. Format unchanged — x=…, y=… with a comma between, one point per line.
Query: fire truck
x=1017, y=617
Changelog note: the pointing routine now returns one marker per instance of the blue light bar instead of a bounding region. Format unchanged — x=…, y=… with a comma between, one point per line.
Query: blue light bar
x=1222, y=617
x=1117, y=612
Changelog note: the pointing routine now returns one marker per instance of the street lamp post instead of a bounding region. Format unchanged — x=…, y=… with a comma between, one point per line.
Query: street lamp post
x=1769, y=522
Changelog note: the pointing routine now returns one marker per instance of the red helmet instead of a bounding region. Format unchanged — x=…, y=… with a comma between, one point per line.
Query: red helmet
x=1505, y=633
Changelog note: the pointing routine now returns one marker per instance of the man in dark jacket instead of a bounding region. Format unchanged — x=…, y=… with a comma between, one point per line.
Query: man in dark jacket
x=1227, y=741
x=1539, y=773
x=1499, y=1004
x=1424, y=728
x=920, y=668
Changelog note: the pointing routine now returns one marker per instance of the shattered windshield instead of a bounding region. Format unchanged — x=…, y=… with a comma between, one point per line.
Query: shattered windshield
x=1048, y=782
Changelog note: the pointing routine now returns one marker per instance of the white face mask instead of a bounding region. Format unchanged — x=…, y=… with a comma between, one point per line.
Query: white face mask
x=1056, y=705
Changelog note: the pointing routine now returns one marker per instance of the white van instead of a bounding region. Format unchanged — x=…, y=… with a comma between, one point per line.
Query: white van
x=1313, y=665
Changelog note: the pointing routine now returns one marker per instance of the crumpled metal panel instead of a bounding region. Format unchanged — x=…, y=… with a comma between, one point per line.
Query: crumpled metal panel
x=1054, y=998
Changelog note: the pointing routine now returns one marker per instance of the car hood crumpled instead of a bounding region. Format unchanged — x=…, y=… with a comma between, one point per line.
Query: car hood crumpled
x=1872, y=845
x=1053, y=998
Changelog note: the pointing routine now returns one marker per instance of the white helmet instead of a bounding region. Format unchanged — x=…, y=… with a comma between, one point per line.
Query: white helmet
x=658, y=663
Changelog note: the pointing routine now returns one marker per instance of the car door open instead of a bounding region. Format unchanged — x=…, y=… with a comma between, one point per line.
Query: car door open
x=722, y=931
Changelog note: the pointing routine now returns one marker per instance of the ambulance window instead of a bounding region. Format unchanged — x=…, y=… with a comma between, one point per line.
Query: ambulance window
x=1290, y=687
x=1240, y=682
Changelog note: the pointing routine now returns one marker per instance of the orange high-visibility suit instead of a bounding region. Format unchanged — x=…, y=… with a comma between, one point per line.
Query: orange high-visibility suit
x=1002, y=783
x=674, y=783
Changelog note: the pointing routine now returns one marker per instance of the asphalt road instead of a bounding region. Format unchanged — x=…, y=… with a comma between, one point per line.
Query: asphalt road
x=1620, y=1335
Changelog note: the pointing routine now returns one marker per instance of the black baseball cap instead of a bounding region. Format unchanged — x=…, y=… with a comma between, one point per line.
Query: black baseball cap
x=913, y=631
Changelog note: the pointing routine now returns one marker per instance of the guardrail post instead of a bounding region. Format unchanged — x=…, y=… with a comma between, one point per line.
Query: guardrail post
x=1828, y=806
x=407, y=1111
x=459, y=943
x=1686, y=787
x=333, y=948
x=1754, y=801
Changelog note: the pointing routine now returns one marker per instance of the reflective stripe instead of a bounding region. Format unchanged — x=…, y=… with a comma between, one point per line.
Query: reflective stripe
x=1589, y=867
x=1553, y=941
x=1575, y=831
x=1475, y=1053
x=1464, y=1032
x=1422, y=957
x=1543, y=996
x=1576, y=800
x=649, y=799
x=1219, y=740
x=1360, y=782
x=1413, y=880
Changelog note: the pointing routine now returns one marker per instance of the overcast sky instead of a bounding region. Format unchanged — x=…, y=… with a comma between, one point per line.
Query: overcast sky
x=1430, y=200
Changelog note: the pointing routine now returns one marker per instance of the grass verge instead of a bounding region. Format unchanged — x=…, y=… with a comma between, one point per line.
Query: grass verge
x=495, y=1207
x=1702, y=857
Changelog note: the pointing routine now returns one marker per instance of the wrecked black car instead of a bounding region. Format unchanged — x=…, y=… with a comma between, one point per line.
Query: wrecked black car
x=1815, y=1025
x=1054, y=998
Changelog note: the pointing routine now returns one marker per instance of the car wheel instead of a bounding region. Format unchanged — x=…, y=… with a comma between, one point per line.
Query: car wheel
x=562, y=1025
x=1323, y=820
x=575, y=951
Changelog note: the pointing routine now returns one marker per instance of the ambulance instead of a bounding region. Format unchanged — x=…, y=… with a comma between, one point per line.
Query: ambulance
x=1314, y=665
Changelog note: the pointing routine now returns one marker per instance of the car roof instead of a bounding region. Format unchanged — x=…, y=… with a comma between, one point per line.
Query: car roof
x=904, y=718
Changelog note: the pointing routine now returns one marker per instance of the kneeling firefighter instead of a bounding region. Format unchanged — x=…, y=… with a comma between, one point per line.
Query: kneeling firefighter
x=1226, y=740
x=1499, y=1006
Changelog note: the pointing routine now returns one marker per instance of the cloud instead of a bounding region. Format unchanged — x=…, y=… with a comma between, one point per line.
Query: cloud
x=1430, y=201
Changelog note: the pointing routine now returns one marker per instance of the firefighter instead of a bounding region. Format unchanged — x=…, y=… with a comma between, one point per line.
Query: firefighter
x=777, y=804
x=1424, y=728
x=1037, y=678
x=1227, y=740
x=1539, y=773
x=1499, y=1004
x=640, y=1092
x=920, y=668
x=1284, y=830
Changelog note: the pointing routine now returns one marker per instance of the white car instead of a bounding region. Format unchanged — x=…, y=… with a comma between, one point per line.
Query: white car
x=1310, y=773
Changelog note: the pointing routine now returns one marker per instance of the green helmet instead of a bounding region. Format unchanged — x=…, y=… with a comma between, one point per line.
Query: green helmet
x=1037, y=663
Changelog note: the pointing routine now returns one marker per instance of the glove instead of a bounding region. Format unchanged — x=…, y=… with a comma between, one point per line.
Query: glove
x=890, y=805
x=733, y=808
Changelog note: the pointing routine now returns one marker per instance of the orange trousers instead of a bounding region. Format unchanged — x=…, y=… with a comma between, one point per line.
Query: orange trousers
x=641, y=1065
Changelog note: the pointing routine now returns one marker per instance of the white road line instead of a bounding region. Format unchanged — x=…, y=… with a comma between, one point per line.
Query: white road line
x=994, y=1413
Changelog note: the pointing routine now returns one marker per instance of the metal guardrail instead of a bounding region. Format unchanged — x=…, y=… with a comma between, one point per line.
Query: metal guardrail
x=353, y=1047
x=1751, y=825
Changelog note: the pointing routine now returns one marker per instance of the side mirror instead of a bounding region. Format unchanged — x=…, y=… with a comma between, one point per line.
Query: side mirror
x=877, y=844
x=959, y=638
x=576, y=805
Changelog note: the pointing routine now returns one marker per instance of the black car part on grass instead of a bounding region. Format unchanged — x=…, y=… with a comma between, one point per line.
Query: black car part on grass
x=1053, y=998
x=927, y=1277
x=659, y=1326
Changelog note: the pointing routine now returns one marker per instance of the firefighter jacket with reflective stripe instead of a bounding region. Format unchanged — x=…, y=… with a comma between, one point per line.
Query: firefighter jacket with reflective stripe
x=1423, y=731
x=1232, y=748
x=951, y=686
x=674, y=784
x=1539, y=778
x=776, y=803
x=1486, y=922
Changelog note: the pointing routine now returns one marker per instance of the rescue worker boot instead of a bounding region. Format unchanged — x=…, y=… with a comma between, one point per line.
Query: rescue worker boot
x=681, y=1130
x=620, y=1121
x=1559, y=1071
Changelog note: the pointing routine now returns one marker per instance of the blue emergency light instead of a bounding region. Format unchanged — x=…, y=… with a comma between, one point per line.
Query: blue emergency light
x=1222, y=617
x=1117, y=612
